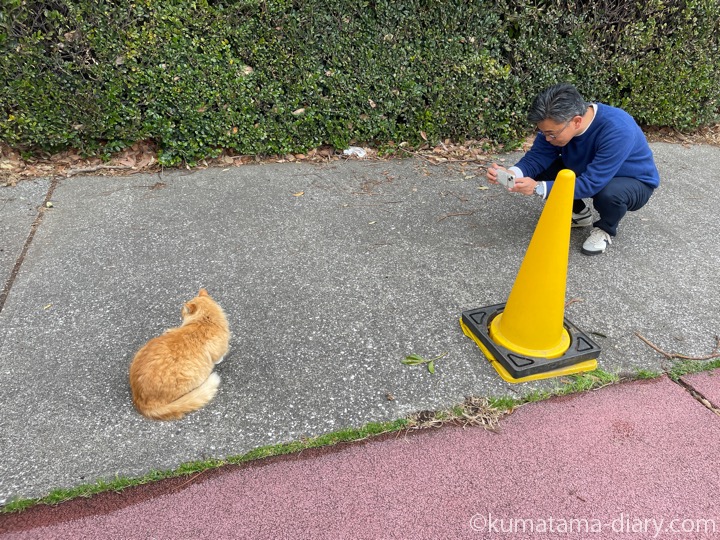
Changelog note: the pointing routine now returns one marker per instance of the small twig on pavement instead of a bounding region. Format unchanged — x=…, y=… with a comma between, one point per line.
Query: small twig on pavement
x=73, y=172
x=572, y=301
x=455, y=214
x=714, y=354
x=193, y=477
x=473, y=160
x=416, y=154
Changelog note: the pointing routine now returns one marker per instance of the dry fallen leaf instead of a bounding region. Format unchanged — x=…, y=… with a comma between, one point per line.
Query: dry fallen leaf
x=299, y=194
x=145, y=160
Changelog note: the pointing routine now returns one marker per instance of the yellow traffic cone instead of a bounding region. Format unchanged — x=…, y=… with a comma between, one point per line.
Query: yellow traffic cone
x=528, y=338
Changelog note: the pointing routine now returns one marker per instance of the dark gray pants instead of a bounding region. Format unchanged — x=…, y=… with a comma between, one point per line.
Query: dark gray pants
x=612, y=202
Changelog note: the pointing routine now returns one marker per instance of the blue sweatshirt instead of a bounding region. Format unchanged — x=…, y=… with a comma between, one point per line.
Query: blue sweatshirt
x=613, y=145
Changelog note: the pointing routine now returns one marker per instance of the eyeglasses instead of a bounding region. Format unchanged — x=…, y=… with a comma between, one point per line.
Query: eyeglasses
x=553, y=136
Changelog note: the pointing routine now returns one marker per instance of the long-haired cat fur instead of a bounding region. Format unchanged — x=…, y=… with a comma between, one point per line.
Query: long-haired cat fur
x=172, y=374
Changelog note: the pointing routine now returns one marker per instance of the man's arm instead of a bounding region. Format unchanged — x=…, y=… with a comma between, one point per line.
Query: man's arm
x=540, y=156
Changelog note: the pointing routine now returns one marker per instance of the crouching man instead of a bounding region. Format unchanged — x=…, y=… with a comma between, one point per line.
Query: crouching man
x=602, y=145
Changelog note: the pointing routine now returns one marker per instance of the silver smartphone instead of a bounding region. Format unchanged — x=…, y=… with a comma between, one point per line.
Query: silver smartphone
x=506, y=179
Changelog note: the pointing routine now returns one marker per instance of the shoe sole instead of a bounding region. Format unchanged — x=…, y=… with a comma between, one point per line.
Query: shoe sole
x=584, y=221
x=586, y=252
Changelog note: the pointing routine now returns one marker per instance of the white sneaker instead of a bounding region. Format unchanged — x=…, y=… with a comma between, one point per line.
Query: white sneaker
x=596, y=242
x=583, y=219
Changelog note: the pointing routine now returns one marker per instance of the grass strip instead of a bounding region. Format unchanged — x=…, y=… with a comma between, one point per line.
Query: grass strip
x=688, y=367
x=119, y=483
x=485, y=412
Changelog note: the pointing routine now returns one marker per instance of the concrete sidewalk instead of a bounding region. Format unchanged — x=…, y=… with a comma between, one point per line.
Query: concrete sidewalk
x=330, y=276
x=636, y=460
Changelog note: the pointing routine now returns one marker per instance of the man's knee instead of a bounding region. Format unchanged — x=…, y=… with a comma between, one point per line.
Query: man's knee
x=625, y=193
x=607, y=198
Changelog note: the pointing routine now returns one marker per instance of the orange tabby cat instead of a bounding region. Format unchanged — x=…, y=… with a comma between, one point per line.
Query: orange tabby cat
x=172, y=374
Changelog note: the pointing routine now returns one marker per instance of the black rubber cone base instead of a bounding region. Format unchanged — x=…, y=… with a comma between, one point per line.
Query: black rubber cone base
x=581, y=355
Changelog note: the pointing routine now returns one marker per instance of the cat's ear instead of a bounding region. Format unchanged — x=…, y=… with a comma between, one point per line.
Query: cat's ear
x=203, y=292
x=190, y=308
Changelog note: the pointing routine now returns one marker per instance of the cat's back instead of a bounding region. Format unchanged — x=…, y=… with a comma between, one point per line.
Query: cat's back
x=164, y=349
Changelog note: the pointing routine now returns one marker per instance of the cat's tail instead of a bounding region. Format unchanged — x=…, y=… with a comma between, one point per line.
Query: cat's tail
x=191, y=401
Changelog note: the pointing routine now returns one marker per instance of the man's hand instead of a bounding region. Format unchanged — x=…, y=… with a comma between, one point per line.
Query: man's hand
x=524, y=185
x=492, y=173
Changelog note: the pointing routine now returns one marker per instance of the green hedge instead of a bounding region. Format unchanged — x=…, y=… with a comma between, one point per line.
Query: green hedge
x=269, y=77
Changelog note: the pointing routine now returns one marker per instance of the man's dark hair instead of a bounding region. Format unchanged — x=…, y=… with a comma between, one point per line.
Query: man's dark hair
x=559, y=103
